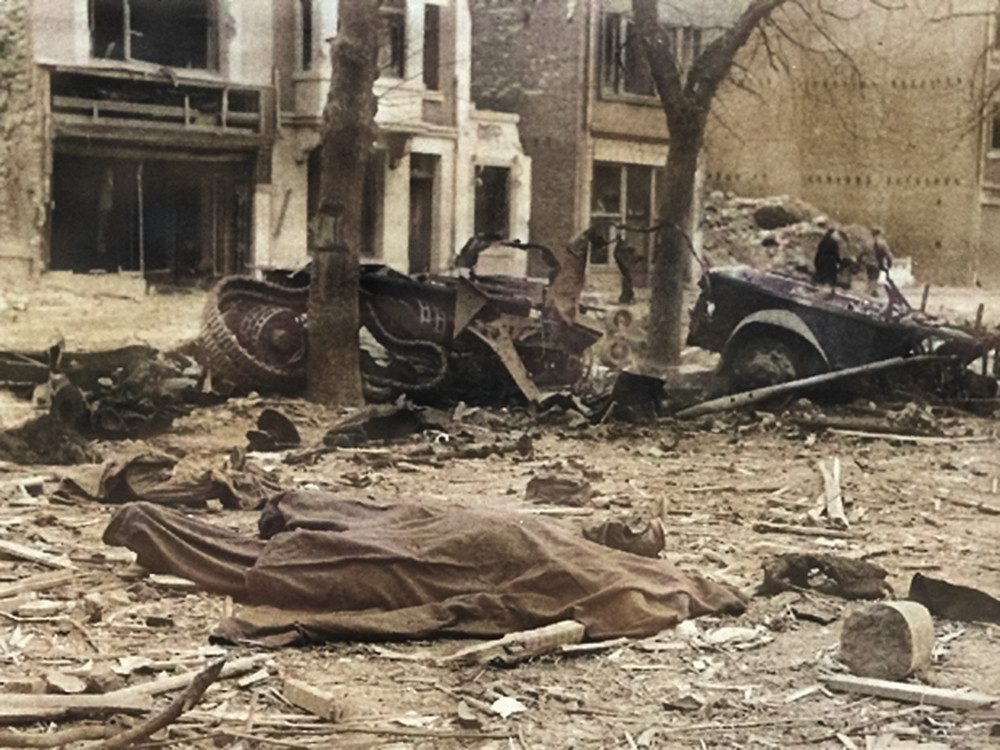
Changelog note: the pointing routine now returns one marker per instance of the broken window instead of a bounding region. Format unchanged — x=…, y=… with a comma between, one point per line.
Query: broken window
x=392, y=38
x=492, y=213
x=179, y=34
x=175, y=219
x=624, y=68
x=621, y=196
x=432, y=49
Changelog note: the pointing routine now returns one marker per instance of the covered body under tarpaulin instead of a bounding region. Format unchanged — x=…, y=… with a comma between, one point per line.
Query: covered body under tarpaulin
x=328, y=568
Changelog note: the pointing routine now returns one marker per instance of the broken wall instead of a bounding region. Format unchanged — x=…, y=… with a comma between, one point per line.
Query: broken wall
x=882, y=131
x=23, y=148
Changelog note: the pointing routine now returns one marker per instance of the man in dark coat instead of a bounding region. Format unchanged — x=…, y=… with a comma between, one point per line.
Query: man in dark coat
x=827, y=260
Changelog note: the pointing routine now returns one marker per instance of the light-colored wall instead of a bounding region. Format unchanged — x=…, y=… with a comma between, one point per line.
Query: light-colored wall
x=888, y=135
x=284, y=243
x=62, y=34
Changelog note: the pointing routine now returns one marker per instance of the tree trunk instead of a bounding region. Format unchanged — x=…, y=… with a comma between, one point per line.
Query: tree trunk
x=333, y=370
x=672, y=253
x=686, y=102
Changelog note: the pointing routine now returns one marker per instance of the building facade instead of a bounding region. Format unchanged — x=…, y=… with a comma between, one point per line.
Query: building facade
x=889, y=120
x=590, y=119
x=179, y=140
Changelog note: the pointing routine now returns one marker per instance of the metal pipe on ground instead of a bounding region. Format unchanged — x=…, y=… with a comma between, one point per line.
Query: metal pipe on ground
x=746, y=398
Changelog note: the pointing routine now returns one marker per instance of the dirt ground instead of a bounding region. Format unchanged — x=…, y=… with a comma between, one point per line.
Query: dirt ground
x=709, y=481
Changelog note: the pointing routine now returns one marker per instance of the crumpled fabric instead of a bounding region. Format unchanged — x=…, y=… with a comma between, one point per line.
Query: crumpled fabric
x=326, y=568
x=152, y=477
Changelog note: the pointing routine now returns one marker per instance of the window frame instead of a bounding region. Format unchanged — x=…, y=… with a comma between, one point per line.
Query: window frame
x=615, y=68
x=124, y=13
x=391, y=53
x=604, y=256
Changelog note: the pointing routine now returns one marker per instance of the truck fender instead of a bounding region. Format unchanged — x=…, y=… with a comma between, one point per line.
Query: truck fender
x=784, y=320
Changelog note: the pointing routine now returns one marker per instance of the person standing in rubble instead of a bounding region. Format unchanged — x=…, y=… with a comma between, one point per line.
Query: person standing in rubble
x=827, y=261
x=875, y=258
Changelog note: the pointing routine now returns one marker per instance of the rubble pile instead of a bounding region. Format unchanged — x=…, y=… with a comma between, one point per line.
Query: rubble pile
x=771, y=232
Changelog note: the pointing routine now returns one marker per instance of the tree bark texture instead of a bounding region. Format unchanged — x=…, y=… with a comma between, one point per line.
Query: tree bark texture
x=333, y=370
x=686, y=102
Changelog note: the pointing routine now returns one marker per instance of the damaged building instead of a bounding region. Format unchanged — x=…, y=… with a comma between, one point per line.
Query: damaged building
x=884, y=115
x=179, y=140
x=590, y=117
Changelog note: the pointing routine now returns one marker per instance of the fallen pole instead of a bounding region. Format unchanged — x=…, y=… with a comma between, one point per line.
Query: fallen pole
x=737, y=400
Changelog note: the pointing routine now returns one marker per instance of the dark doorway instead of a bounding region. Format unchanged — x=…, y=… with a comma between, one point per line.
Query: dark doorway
x=423, y=167
x=177, y=221
x=492, y=206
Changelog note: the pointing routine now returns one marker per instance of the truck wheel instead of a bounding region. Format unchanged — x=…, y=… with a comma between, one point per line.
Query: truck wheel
x=763, y=361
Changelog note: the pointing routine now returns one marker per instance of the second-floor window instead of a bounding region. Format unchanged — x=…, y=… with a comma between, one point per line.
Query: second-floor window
x=179, y=34
x=392, y=39
x=624, y=68
x=432, y=46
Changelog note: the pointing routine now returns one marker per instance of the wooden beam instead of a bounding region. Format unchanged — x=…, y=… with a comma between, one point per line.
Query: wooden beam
x=908, y=693
x=28, y=709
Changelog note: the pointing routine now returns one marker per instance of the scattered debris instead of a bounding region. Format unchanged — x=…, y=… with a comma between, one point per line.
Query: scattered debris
x=954, y=602
x=376, y=422
x=557, y=490
x=275, y=432
x=828, y=574
x=888, y=640
x=639, y=536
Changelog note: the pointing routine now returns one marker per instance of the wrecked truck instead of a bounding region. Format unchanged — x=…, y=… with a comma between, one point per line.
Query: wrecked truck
x=775, y=326
x=439, y=338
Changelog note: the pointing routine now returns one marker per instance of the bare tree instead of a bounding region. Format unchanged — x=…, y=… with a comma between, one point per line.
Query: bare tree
x=333, y=370
x=687, y=102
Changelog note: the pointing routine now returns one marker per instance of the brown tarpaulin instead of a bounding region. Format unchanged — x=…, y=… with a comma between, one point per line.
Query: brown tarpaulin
x=331, y=568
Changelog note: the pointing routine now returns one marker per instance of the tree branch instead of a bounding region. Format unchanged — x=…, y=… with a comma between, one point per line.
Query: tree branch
x=184, y=702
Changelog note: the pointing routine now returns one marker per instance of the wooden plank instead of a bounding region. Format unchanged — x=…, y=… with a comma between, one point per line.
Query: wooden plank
x=980, y=505
x=918, y=439
x=22, y=552
x=39, y=582
x=33, y=708
x=782, y=528
x=908, y=693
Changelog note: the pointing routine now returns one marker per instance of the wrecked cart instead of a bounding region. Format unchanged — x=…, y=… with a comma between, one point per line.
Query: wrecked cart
x=438, y=337
x=775, y=326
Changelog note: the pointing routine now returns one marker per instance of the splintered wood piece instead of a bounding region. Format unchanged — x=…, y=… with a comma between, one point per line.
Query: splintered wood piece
x=22, y=552
x=323, y=703
x=833, y=495
x=177, y=682
x=903, y=691
x=888, y=640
